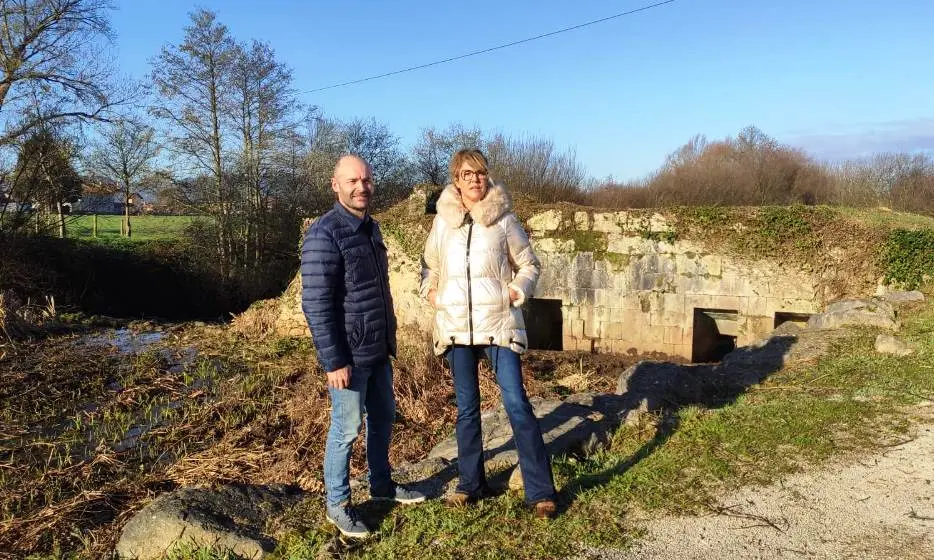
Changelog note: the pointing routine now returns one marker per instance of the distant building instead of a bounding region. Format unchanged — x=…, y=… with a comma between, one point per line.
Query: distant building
x=9, y=206
x=100, y=197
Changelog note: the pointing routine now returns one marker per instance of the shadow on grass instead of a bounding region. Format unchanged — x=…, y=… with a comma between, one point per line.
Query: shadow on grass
x=664, y=389
x=582, y=422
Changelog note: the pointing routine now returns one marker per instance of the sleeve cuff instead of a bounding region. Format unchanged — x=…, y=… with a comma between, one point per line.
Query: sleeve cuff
x=521, y=292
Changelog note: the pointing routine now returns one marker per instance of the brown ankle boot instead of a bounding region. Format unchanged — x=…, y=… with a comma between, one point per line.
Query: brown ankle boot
x=546, y=509
x=459, y=499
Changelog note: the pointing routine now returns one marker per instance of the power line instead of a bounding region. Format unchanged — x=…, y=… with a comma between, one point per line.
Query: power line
x=491, y=49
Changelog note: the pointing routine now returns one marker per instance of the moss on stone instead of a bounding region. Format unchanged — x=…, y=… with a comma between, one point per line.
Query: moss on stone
x=590, y=242
x=618, y=261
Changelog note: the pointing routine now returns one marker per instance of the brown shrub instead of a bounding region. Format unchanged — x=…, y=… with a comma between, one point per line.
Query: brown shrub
x=753, y=169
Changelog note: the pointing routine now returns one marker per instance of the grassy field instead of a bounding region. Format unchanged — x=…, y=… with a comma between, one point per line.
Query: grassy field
x=143, y=227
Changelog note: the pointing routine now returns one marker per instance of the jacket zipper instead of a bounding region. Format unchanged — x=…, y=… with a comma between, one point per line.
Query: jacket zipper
x=469, y=295
x=382, y=291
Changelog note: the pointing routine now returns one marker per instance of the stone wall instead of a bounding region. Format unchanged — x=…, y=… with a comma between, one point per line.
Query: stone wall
x=631, y=290
x=404, y=277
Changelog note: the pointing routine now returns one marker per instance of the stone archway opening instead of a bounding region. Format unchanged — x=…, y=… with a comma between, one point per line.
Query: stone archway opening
x=800, y=319
x=714, y=334
x=544, y=323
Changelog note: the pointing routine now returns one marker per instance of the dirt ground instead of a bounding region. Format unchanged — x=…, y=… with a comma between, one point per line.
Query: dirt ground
x=875, y=507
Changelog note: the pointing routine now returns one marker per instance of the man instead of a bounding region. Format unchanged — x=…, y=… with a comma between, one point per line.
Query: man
x=346, y=300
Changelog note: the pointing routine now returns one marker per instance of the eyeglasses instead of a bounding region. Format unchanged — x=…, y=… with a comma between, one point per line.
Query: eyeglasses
x=470, y=175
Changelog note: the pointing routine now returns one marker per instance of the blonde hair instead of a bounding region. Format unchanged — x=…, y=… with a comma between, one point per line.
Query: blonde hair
x=473, y=157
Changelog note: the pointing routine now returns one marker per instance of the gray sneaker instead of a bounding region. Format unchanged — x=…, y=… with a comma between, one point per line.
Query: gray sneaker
x=400, y=494
x=345, y=518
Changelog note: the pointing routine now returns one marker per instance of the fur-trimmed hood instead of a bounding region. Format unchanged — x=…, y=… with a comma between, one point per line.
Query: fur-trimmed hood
x=485, y=212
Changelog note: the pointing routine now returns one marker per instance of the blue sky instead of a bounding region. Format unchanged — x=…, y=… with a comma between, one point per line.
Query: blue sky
x=837, y=78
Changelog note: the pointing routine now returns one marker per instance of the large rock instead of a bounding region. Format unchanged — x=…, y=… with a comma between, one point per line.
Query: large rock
x=230, y=518
x=581, y=423
x=661, y=386
x=873, y=312
x=903, y=297
x=664, y=383
x=787, y=345
x=547, y=221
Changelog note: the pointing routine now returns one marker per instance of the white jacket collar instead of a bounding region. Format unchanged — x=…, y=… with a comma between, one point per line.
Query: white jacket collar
x=451, y=209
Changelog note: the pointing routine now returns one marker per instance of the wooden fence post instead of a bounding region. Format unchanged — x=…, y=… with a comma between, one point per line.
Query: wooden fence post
x=95, y=226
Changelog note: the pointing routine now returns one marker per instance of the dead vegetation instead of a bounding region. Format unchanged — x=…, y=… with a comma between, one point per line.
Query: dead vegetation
x=20, y=319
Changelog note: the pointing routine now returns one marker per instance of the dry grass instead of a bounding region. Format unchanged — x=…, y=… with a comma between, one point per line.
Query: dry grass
x=259, y=319
x=21, y=319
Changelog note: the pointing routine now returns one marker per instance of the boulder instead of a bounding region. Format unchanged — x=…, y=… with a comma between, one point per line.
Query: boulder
x=872, y=312
x=582, y=423
x=787, y=345
x=230, y=518
x=903, y=297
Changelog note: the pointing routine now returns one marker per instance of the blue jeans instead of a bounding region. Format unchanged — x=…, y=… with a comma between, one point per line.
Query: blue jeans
x=370, y=391
x=533, y=458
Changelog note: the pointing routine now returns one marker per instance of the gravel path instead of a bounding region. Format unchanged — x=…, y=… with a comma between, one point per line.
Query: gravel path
x=879, y=507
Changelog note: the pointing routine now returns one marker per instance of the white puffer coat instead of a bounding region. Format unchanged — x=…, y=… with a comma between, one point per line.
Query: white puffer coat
x=472, y=262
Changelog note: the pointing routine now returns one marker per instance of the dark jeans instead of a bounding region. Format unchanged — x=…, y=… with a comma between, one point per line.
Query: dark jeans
x=533, y=458
x=370, y=391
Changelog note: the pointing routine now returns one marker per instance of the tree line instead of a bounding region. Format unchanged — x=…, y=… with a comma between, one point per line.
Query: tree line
x=754, y=169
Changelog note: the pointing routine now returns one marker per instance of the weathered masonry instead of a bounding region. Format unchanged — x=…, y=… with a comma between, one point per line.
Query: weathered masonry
x=610, y=283
x=622, y=288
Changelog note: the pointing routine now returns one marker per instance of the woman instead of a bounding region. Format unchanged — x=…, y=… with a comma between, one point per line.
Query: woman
x=479, y=268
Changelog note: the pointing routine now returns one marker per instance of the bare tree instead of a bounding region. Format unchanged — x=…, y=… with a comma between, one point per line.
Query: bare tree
x=125, y=153
x=534, y=167
x=263, y=107
x=192, y=79
x=380, y=147
x=52, y=74
x=371, y=140
x=51, y=49
x=432, y=153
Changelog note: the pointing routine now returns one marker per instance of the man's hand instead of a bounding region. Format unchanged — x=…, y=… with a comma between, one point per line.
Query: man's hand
x=432, y=296
x=513, y=295
x=339, y=378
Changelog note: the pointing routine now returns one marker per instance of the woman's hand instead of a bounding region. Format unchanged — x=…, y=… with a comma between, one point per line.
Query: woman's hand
x=513, y=295
x=432, y=296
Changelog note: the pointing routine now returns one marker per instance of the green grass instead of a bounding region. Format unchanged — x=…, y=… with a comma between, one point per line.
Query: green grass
x=887, y=218
x=143, y=227
x=851, y=401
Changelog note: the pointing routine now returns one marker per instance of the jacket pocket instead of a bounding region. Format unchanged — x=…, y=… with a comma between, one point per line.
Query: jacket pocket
x=357, y=332
x=359, y=261
x=507, y=301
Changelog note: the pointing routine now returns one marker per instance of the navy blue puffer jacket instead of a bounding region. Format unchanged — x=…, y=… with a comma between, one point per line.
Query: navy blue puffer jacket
x=345, y=291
